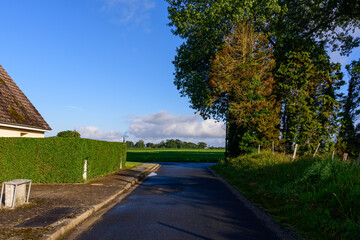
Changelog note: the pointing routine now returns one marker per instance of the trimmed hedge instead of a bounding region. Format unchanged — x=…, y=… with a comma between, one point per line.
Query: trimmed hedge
x=68, y=134
x=58, y=160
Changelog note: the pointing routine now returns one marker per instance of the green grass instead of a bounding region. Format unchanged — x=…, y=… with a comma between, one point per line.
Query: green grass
x=131, y=164
x=175, y=155
x=318, y=197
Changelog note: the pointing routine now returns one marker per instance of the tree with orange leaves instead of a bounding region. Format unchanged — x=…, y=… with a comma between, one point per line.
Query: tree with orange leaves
x=241, y=84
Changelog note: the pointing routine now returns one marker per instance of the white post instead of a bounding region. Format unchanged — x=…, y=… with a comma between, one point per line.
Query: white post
x=259, y=149
x=273, y=148
x=316, y=150
x=296, y=146
x=121, y=162
x=345, y=156
x=85, y=170
x=333, y=155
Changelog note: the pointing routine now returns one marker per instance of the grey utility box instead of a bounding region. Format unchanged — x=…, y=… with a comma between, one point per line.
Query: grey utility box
x=15, y=193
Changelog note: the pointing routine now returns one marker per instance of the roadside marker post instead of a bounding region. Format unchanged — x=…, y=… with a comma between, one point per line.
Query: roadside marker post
x=345, y=156
x=121, y=162
x=316, y=150
x=85, y=170
x=293, y=158
x=333, y=155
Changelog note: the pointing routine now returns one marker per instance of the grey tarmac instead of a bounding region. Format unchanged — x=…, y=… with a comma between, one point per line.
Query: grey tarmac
x=183, y=201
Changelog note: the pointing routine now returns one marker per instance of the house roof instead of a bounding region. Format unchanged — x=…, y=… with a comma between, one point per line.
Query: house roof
x=15, y=107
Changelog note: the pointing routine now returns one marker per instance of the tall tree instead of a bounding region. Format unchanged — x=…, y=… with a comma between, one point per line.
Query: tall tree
x=140, y=144
x=349, y=138
x=203, y=24
x=241, y=83
x=129, y=144
x=306, y=83
x=289, y=24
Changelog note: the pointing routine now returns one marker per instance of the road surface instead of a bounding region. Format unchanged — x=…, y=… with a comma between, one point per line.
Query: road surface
x=183, y=201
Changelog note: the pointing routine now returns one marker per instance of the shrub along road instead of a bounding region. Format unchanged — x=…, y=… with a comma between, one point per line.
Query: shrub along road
x=184, y=201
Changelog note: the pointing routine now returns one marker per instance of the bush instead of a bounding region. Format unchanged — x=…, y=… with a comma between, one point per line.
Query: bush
x=55, y=160
x=68, y=134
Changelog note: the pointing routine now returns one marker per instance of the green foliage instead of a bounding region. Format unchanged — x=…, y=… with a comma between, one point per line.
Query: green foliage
x=291, y=26
x=55, y=160
x=316, y=196
x=172, y=144
x=306, y=85
x=241, y=83
x=129, y=144
x=140, y=144
x=175, y=155
x=349, y=138
x=203, y=25
x=68, y=134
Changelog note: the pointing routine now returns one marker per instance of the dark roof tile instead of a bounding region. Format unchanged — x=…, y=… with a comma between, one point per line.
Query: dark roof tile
x=15, y=107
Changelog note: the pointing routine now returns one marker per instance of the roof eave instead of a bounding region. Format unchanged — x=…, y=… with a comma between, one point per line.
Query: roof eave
x=25, y=127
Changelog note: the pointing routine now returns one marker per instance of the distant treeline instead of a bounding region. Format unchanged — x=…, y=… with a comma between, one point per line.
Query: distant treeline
x=169, y=143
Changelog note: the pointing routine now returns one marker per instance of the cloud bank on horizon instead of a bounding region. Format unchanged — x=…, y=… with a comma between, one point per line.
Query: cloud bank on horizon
x=163, y=125
x=93, y=132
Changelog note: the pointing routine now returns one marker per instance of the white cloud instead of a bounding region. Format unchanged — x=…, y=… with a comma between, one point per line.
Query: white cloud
x=95, y=133
x=163, y=125
x=126, y=11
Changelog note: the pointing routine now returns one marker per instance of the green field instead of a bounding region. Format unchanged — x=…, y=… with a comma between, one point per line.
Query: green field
x=175, y=155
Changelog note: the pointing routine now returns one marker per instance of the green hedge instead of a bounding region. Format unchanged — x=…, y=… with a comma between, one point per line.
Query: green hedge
x=58, y=160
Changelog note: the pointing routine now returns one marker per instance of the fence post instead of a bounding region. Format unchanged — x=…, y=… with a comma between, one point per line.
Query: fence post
x=259, y=149
x=333, y=155
x=345, y=156
x=296, y=146
x=121, y=162
x=85, y=170
x=316, y=150
x=272, y=147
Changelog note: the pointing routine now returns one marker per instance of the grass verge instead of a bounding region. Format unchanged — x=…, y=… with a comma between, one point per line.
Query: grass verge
x=175, y=155
x=317, y=197
x=131, y=164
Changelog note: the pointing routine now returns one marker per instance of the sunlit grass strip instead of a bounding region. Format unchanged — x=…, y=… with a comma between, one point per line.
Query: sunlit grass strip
x=131, y=164
x=319, y=197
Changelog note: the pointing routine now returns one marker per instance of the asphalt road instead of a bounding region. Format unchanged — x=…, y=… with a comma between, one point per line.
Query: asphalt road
x=184, y=201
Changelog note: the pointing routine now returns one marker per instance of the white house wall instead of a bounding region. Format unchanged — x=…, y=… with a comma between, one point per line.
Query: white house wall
x=13, y=132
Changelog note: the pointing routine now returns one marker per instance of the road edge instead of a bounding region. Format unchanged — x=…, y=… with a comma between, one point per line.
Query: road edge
x=82, y=217
x=264, y=217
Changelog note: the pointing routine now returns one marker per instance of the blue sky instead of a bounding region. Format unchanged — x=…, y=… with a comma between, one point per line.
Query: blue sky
x=102, y=67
